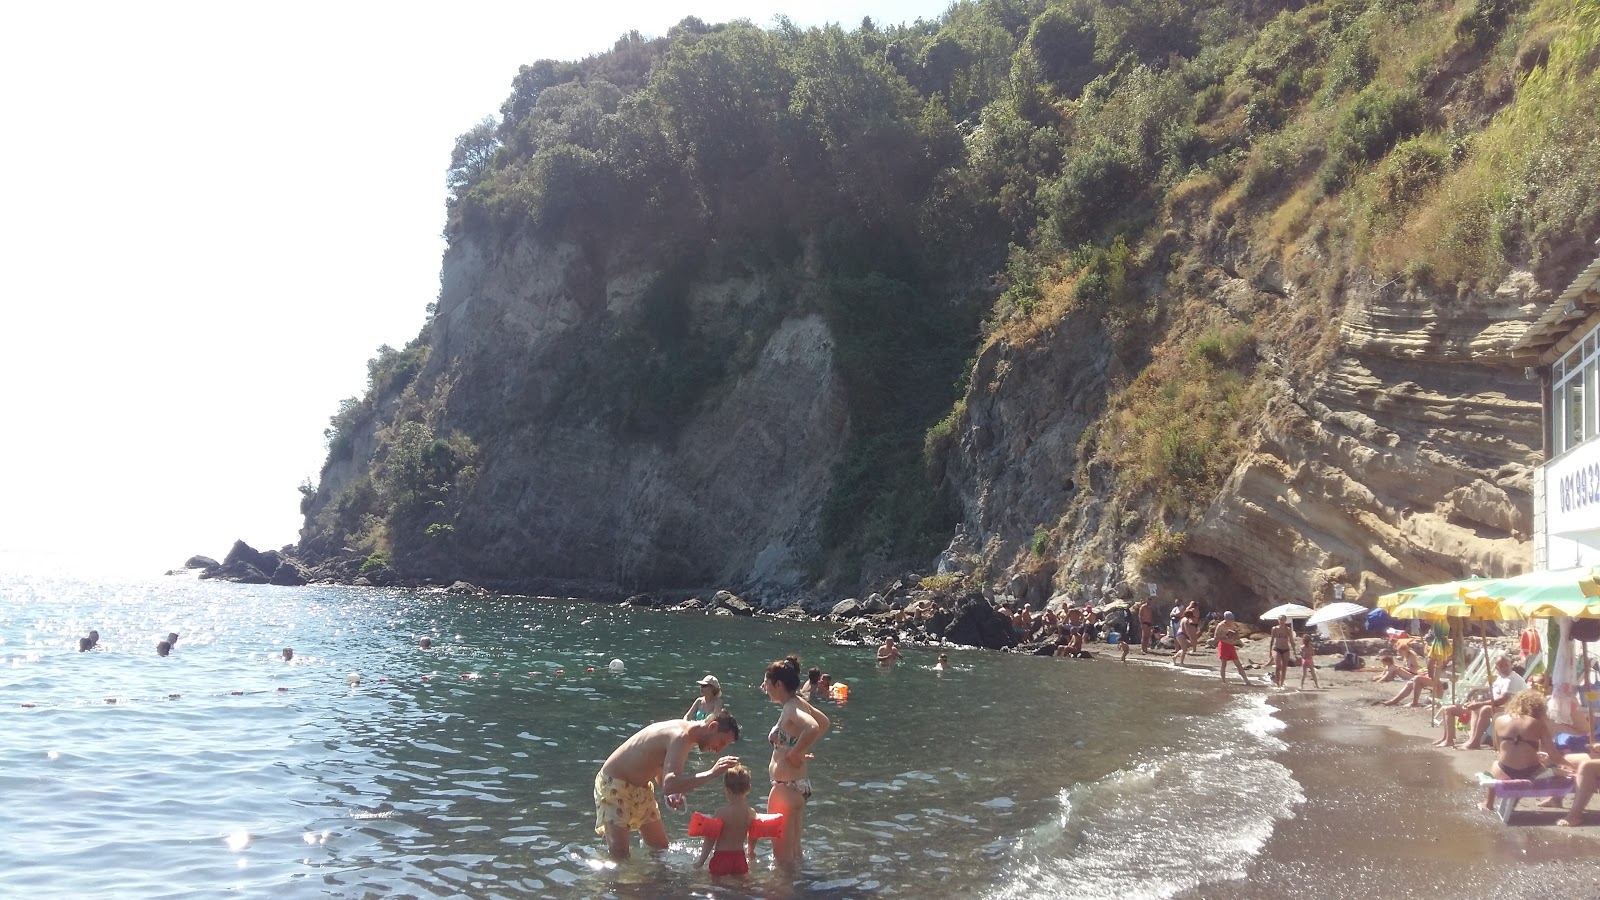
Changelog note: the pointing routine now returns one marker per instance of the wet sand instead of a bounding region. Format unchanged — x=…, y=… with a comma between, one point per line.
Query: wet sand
x=1386, y=814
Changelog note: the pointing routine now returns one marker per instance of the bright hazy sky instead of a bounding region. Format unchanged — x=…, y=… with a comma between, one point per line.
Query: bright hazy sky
x=214, y=214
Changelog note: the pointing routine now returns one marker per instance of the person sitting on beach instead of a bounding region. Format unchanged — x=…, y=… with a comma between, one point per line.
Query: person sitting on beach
x=889, y=652
x=1091, y=622
x=1522, y=740
x=1507, y=684
x=1409, y=661
x=1413, y=688
x=1391, y=672
x=625, y=786
x=1586, y=769
x=1227, y=635
x=1308, y=662
x=709, y=703
x=733, y=844
x=1027, y=620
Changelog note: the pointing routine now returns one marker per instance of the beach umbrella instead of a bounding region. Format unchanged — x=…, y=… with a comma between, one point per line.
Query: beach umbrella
x=1563, y=592
x=1292, y=610
x=1437, y=601
x=1332, y=611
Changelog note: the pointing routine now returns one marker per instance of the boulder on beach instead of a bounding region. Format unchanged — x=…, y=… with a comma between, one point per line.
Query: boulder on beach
x=201, y=562
x=726, y=600
x=465, y=588
x=692, y=603
x=875, y=604
x=976, y=623
x=846, y=609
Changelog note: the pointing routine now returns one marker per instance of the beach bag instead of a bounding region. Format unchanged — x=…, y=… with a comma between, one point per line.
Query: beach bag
x=1349, y=663
x=1586, y=630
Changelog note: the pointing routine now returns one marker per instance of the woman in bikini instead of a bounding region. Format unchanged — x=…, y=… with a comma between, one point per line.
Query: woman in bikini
x=1522, y=740
x=1282, y=646
x=799, y=727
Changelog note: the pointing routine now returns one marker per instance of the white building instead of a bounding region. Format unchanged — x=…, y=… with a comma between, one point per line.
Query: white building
x=1566, y=488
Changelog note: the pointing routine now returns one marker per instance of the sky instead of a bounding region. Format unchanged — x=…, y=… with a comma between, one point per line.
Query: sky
x=213, y=214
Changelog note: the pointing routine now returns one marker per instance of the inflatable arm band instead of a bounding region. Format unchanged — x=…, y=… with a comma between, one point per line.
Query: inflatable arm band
x=765, y=826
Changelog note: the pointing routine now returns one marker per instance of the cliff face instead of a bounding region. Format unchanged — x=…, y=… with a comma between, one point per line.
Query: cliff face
x=1397, y=448
x=1247, y=276
x=523, y=362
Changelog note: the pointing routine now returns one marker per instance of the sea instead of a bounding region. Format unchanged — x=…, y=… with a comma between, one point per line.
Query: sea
x=368, y=767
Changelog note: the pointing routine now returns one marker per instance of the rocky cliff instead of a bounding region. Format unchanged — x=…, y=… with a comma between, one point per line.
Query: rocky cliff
x=522, y=361
x=1247, y=287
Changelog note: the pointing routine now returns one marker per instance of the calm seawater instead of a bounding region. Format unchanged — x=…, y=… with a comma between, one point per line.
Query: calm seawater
x=466, y=771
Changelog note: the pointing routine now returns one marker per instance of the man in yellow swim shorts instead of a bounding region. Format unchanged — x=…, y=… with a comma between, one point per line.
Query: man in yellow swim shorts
x=625, y=787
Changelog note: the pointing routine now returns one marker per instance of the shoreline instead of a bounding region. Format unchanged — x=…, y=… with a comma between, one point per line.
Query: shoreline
x=1353, y=696
x=1384, y=811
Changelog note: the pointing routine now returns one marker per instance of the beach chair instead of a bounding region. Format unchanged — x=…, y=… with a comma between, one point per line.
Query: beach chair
x=1508, y=791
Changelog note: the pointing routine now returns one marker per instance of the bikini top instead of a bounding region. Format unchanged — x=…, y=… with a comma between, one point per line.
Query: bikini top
x=777, y=738
x=1516, y=739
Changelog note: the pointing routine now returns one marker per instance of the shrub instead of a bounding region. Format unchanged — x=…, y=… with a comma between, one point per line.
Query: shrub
x=1376, y=119
x=1040, y=542
x=377, y=560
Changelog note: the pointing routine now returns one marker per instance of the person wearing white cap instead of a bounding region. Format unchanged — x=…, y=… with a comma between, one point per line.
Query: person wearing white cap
x=1227, y=635
x=709, y=703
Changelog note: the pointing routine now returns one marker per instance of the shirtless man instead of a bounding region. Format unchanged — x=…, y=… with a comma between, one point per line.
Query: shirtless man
x=625, y=787
x=1145, y=611
x=889, y=652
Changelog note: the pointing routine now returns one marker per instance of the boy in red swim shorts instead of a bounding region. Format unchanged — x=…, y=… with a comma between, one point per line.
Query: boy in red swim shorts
x=733, y=843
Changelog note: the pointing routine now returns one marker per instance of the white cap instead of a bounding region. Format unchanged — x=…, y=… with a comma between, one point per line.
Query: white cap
x=711, y=680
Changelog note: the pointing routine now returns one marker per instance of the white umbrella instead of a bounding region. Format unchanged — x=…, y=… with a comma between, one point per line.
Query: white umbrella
x=1333, y=611
x=1292, y=610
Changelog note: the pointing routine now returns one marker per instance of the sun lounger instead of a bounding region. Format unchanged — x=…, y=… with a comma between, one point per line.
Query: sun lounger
x=1509, y=790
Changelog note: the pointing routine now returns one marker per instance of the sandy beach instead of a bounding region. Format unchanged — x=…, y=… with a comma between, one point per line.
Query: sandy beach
x=1385, y=813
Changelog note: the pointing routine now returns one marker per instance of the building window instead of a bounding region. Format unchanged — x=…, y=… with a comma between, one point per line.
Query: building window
x=1575, y=417
x=1558, y=431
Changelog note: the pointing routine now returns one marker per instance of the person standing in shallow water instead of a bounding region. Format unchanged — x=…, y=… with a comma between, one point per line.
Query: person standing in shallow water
x=1228, y=647
x=625, y=787
x=800, y=726
x=1282, y=645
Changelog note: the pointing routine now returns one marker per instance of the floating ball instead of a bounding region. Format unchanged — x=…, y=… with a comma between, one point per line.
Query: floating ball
x=616, y=665
x=353, y=679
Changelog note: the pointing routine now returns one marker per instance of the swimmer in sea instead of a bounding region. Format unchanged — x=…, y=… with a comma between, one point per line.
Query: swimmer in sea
x=709, y=703
x=889, y=652
x=799, y=727
x=943, y=665
x=425, y=644
x=288, y=654
x=163, y=648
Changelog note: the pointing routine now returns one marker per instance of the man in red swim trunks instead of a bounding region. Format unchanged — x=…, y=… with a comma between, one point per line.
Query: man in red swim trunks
x=1228, y=647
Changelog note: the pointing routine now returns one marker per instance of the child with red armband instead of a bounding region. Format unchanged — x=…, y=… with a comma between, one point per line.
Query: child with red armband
x=733, y=831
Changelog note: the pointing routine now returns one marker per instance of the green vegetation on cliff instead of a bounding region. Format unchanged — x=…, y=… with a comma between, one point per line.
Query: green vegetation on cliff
x=979, y=177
